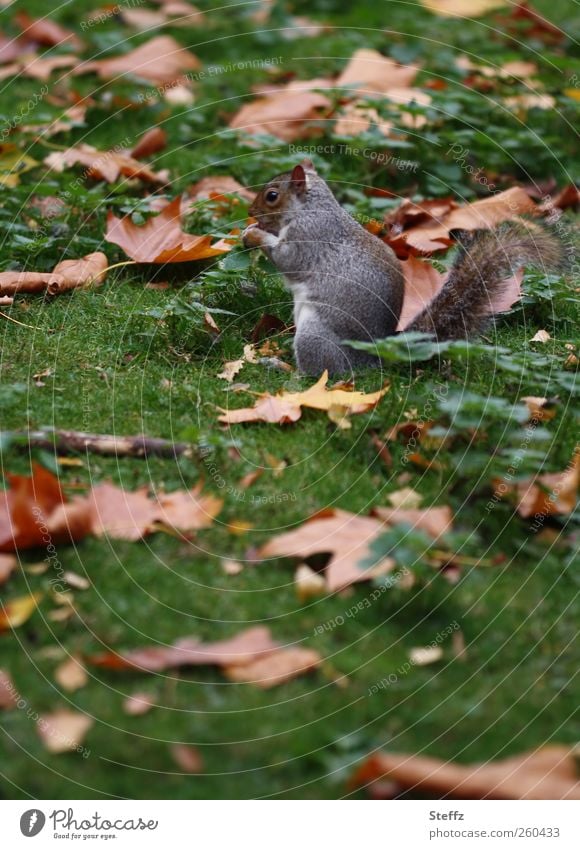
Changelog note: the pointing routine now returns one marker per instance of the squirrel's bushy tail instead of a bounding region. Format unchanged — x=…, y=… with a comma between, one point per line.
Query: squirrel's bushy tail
x=486, y=258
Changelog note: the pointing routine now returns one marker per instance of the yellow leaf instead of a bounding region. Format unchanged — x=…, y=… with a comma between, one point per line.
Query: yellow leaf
x=17, y=611
x=463, y=8
x=13, y=163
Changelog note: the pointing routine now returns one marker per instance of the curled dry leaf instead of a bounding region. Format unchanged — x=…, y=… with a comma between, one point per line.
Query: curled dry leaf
x=546, y=773
x=286, y=407
x=107, y=165
x=68, y=274
x=63, y=730
x=435, y=521
x=405, y=499
x=422, y=283
x=119, y=514
x=160, y=240
x=71, y=674
x=159, y=61
x=541, y=336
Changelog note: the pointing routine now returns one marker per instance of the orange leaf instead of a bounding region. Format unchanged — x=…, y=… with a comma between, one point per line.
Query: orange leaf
x=160, y=239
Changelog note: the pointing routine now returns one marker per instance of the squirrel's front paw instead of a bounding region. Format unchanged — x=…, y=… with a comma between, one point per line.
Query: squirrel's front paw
x=253, y=237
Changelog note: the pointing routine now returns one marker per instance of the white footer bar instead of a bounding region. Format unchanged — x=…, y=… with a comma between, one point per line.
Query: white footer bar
x=290, y=824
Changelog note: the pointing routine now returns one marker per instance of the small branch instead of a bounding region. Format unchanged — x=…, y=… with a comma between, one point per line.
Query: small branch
x=106, y=445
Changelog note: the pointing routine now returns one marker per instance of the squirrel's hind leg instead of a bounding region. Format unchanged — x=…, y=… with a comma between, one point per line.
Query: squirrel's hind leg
x=317, y=348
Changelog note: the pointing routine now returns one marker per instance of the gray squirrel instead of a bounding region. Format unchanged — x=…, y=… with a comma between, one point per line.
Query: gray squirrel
x=347, y=284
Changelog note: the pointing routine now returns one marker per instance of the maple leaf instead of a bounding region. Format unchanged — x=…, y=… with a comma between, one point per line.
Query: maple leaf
x=161, y=240
x=286, y=407
x=347, y=537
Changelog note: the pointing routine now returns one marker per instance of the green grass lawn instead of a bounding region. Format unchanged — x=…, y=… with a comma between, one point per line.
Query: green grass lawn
x=129, y=359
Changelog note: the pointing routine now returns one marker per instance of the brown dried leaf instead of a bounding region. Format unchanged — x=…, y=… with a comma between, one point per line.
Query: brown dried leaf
x=187, y=758
x=372, y=71
x=551, y=494
x=275, y=668
x=150, y=142
x=46, y=31
x=245, y=647
x=344, y=536
x=71, y=674
x=159, y=61
x=107, y=165
x=546, y=773
x=285, y=114
x=63, y=730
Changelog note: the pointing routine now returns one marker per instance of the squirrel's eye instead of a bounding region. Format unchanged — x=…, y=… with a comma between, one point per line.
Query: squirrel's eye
x=271, y=196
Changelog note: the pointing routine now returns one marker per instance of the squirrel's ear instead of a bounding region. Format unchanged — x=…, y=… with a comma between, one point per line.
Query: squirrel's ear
x=308, y=165
x=298, y=179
